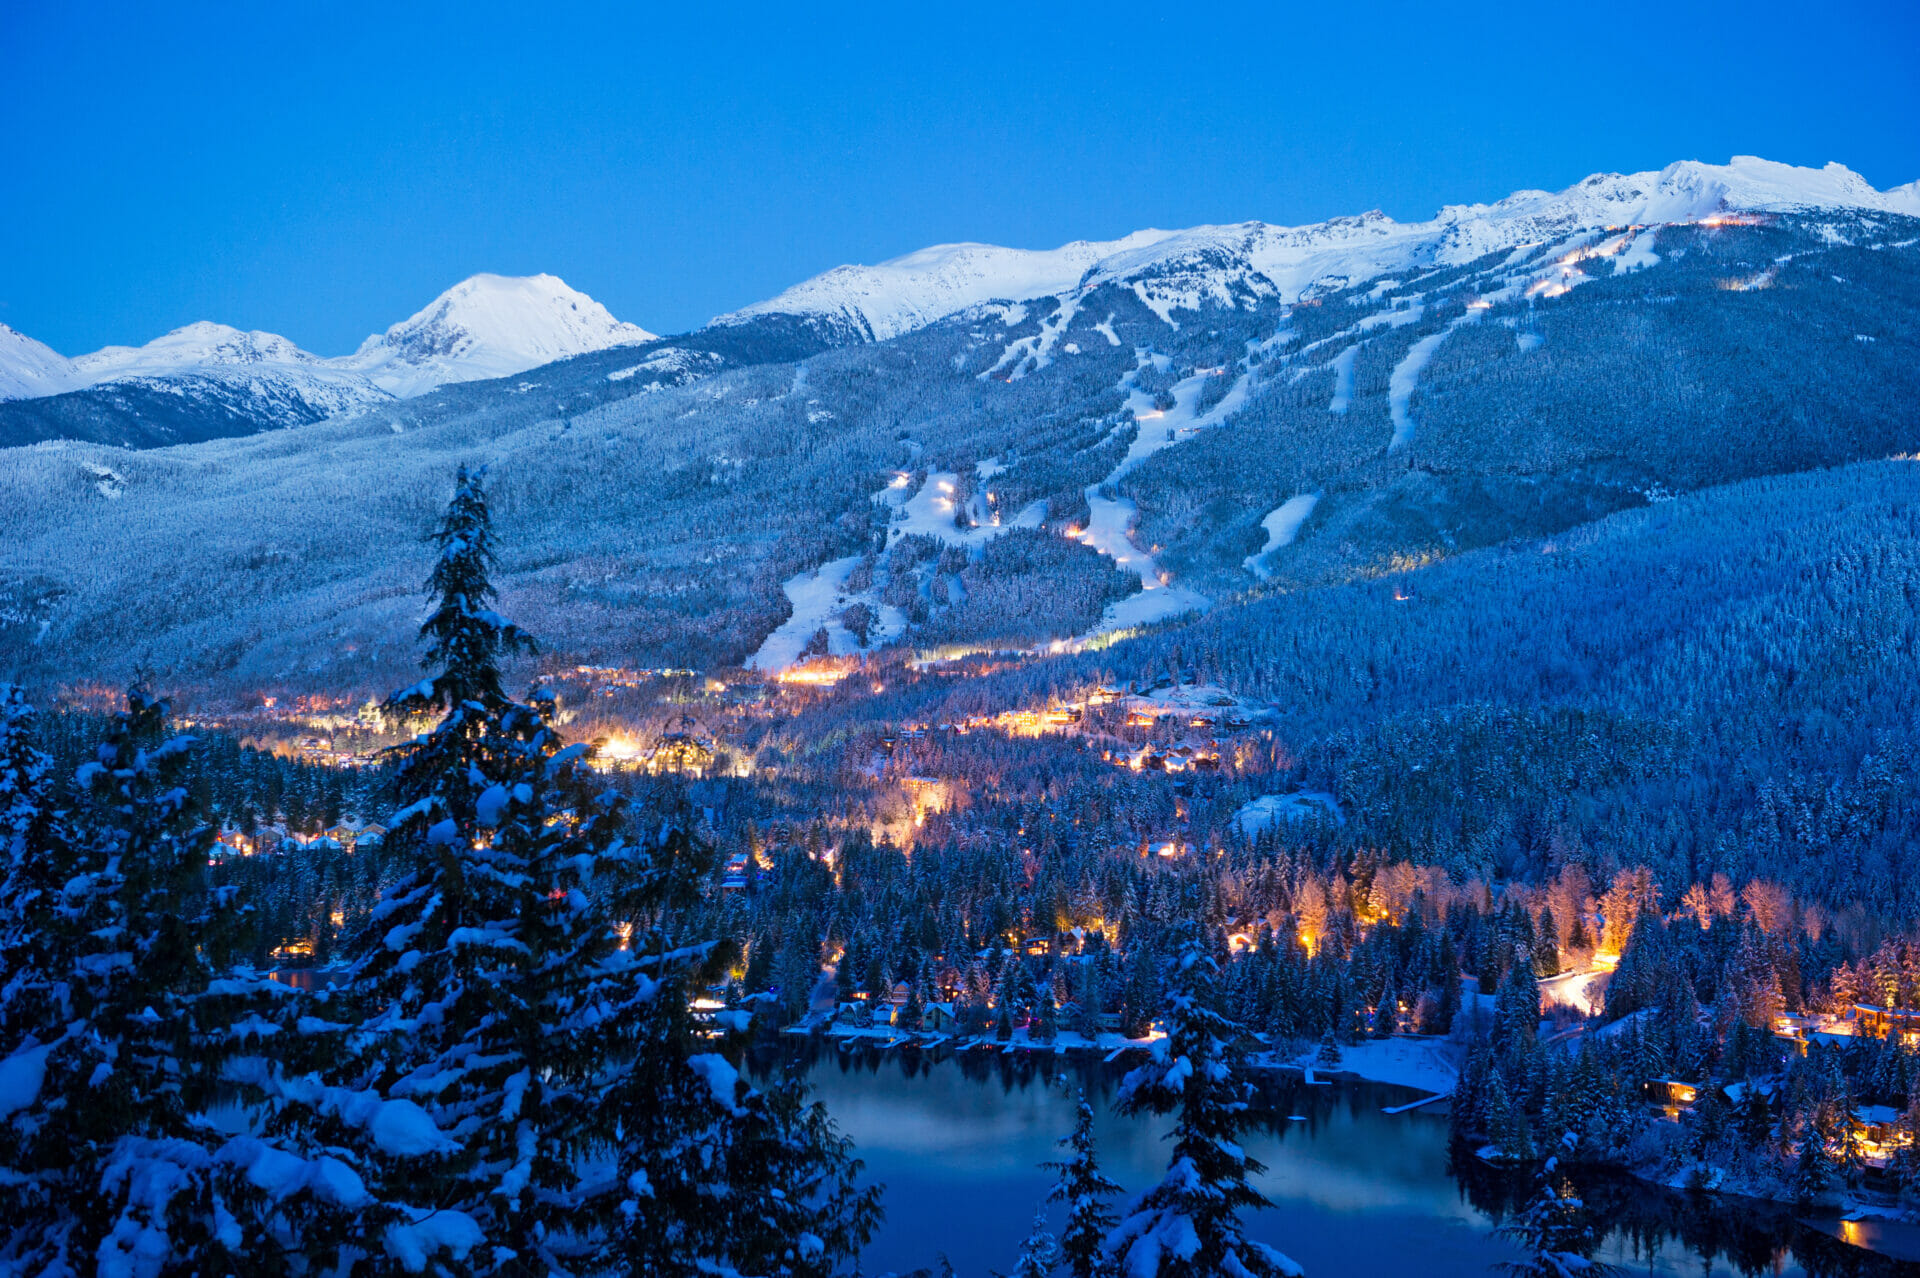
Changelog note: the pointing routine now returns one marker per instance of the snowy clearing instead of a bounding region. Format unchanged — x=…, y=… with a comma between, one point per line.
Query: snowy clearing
x=929, y=513
x=1343, y=380
x=1639, y=253
x=1428, y=1064
x=1406, y=374
x=1271, y=810
x=819, y=596
x=1282, y=525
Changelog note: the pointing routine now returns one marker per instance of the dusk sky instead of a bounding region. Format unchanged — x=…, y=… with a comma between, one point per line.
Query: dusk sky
x=321, y=171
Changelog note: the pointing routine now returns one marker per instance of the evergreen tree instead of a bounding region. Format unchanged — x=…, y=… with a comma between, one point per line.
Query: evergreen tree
x=1506, y=1119
x=1546, y=947
x=1084, y=1189
x=1516, y=1012
x=793, y=1207
x=1046, y=1023
x=120, y=1024
x=913, y=1010
x=1039, y=1252
x=1188, y=1226
x=1555, y=1232
x=37, y=859
x=1813, y=1171
x=523, y=989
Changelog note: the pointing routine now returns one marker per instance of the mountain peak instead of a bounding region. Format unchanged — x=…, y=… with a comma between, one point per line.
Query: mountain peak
x=490, y=326
x=201, y=344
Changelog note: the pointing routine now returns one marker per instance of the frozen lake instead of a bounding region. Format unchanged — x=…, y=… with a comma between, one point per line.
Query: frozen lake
x=957, y=1145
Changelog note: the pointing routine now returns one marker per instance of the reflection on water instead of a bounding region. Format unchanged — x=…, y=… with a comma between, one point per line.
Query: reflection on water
x=957, y=1144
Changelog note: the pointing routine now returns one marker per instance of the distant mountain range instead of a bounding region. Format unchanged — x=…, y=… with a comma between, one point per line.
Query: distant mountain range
x=969, y=445
x=208, y=380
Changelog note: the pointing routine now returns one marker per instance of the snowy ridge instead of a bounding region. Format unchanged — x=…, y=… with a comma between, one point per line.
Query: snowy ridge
x=29, y=368
x=910, y=292
x=1226, y=265
x=485, y=326
x=197, y=346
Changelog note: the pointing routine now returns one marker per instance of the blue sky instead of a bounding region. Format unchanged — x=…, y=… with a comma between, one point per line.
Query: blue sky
x=322, y=170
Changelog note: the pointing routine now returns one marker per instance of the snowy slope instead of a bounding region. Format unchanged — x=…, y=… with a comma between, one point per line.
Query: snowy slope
x=1225, y=265
x=29, y=368
x=898, y=296
x=489, y=326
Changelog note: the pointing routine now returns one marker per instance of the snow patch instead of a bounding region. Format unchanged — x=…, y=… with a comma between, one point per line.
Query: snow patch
x=416, y=1242
x=21, y=1076
x=1272, y=810
x=1282, y=525
x=1343, y=380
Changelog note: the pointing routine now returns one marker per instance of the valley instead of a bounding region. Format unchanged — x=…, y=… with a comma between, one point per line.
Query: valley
x=1476, y=653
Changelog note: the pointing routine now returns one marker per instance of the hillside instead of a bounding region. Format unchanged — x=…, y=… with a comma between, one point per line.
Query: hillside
x=1174, y=433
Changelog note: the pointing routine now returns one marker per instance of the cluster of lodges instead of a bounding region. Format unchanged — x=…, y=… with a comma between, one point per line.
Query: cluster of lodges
x=1861, y=1020
x=942, y=1016
x=684, y=749
x=606, y=680
x=1880, y=1130
x=345, y=836
x=326, y=753
x=1202, y=714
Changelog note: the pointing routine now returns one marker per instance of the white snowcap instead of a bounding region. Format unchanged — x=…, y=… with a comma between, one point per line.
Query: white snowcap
x=198, y=345
x=906, y=293
x=485, y=326
x=1173, y=269
x=489, y=326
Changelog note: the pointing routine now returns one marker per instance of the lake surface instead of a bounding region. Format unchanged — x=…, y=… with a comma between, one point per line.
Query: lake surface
x=957, y=1143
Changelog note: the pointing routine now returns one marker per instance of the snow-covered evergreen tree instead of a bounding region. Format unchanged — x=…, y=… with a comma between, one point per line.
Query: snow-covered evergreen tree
x=122, y=1029
x=714, y=1176
x=36, y=858
x=1555, y=1232
x=1039, y=1251
x=1084, y=1189
x=1188, y=1226
x=535, y=1036
x=1813, y=1170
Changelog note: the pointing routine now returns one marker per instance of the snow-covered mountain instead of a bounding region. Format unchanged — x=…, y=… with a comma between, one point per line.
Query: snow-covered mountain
x=29, y=368
x=198, y=346
x=489, y=326
x=486, y=326
x=1177, y=270
x=895, y=297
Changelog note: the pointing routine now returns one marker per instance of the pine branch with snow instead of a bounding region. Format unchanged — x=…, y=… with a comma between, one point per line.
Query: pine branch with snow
x=522, y=989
